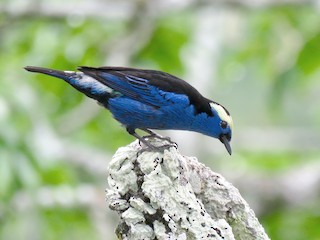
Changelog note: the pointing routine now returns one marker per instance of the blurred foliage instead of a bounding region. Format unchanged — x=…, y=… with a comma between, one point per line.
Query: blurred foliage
x=293, y=223
x=172, y=33
x=272, y=52
x=275, y=162
x=280, y=48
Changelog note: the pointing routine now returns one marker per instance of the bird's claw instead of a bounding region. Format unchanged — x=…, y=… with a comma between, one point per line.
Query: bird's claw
x=159, y=137
x=150, y=147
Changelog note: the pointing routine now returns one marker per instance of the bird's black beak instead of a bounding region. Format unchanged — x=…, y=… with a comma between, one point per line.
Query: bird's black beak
x=223, y=138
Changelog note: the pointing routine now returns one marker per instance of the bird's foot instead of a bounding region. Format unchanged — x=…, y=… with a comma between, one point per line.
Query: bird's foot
x=149, y=146
x=153, y=148
x=157, y=136
x=152, y=134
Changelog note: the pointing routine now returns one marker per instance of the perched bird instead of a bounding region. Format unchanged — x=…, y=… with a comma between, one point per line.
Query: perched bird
x=149, y=99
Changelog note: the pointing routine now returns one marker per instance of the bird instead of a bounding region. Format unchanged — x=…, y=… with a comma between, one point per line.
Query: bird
x=149, y=100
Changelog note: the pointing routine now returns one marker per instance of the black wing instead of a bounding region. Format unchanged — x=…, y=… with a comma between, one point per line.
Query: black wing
x=145, y=84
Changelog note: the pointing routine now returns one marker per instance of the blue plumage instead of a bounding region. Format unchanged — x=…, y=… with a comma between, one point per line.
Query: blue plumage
x=148, y=99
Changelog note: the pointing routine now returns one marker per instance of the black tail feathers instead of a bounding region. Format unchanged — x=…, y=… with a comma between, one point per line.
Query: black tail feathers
x=52, y=72
x=85, y=84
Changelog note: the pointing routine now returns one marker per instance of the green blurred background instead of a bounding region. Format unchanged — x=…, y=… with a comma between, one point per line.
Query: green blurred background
x=260, y=59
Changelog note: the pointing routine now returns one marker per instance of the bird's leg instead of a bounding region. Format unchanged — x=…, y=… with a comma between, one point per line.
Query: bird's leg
x=155, y=135
x=141, y=139
x=148, y=144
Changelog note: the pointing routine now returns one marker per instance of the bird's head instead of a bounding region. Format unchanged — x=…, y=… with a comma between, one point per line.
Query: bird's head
x=224, y=124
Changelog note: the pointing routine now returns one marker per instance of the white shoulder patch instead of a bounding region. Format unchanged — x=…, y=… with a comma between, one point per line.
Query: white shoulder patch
x=86, y=80
x=69, y=71
x=222, y=113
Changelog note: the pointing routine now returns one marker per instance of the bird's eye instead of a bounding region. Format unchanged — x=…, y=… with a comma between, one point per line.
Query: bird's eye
x=223, y=124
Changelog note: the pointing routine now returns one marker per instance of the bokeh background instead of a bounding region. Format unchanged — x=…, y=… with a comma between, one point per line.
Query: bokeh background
x=260, y=59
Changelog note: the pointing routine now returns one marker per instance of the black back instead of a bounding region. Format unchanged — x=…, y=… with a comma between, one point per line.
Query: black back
x=162, y=80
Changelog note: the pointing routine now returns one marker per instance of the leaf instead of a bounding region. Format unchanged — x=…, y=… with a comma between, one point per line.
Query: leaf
x=309, y=57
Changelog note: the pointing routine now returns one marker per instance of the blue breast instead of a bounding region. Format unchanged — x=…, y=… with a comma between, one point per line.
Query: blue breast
x=179, y=115
x=136, y=114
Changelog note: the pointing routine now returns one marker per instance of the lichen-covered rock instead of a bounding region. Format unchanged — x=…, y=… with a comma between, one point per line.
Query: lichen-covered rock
x=169, y=196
